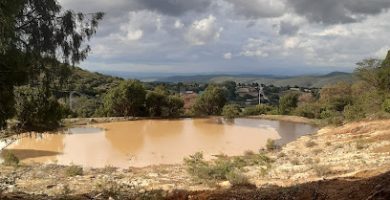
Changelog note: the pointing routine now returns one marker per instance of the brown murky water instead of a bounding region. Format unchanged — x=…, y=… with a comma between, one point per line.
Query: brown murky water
x=151, y=142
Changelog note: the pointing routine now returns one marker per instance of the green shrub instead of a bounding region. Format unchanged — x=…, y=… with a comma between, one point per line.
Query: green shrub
x=36, y=109
x=249, y=153
x=10, y=159
x=73, y=170
x=66, y=191
x=353, y=112
x=288, y=103
x=109, y=188
x=322, y=170
x=386, y=105
x=85, y=107
x=271, y=145
x=197, y=166
x=332, y=117
x=210, y=171
x=224, y=168
x=109, y=169
x=236, y=177
x=231, y=111
x=220, y=168
x=259, y=109
x=308, y=110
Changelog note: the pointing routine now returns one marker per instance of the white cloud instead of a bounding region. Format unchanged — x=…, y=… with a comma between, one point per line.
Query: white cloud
x=382, y=52
x=204, y=31
x=291, y=42
x=228, y=56
x=133, y=35
x=336, y=30
x=178, y=24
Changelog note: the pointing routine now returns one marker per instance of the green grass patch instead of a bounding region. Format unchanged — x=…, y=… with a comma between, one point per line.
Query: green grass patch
x=10, y=159
x=223, y=168
x=73, y=170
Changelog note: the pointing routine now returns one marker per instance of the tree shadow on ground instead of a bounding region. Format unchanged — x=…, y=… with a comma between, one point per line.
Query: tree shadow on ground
x=373, y=188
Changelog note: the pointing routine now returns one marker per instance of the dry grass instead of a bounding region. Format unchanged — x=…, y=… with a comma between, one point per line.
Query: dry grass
x=310, y=144
x=73, y=170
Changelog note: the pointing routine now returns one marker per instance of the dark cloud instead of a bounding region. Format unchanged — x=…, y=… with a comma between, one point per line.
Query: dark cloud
x=173, y=7
x=338, y=11
x=287, y=28
x=254, y=9
x=118, y=7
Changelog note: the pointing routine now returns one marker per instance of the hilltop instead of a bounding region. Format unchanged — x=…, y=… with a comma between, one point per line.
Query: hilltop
x=89, y=83
x=316, y=81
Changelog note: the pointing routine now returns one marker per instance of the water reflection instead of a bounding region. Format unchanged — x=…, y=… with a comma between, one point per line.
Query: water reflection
x=149, y=142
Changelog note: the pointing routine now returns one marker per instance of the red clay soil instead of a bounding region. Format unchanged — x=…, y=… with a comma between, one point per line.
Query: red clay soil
x=377, y=187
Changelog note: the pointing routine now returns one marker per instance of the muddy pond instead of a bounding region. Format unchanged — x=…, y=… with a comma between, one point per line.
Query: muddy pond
x=152, y=142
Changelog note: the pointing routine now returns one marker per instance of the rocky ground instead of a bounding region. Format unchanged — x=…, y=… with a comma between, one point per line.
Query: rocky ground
x=347, y=162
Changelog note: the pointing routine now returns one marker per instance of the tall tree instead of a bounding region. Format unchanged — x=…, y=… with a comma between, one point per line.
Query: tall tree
x=211, y=101
x=376, y=73
x=127, y=99
x=35, y=37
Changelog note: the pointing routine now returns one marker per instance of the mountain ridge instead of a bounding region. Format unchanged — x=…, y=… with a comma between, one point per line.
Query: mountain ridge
x=300, y=80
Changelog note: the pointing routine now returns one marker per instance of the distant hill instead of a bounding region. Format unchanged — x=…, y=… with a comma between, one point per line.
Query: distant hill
x=302, y=81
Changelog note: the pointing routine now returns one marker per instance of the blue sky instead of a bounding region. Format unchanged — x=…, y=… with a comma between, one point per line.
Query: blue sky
x=282, y=37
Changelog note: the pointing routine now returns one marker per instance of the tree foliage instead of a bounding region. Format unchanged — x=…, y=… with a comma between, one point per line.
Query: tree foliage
x=367, y=98
x=211, y=101
x=35, y=37
x=154, y=103
x=35, y=111
x=336, y=96
x=174, y=106
x=376, y=73
x=127, y=99
x=288, y=102
x=231, y=111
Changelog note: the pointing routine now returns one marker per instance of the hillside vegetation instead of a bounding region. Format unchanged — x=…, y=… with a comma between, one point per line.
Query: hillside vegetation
x=90, y=83
x=311, y=81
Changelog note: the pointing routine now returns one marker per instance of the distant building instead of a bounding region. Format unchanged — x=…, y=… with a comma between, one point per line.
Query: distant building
x=295, y=89
x=247, y=91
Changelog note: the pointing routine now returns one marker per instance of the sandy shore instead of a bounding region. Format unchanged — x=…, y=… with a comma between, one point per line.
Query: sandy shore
x=357, y=151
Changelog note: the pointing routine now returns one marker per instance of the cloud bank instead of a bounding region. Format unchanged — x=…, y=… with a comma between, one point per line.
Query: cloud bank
x=260, y=36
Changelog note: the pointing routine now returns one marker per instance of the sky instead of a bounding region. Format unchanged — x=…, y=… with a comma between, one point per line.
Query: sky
x=279, y=37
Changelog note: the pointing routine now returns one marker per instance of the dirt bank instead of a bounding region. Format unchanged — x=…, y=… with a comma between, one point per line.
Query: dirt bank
x=347, y=162
x=287, y=118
